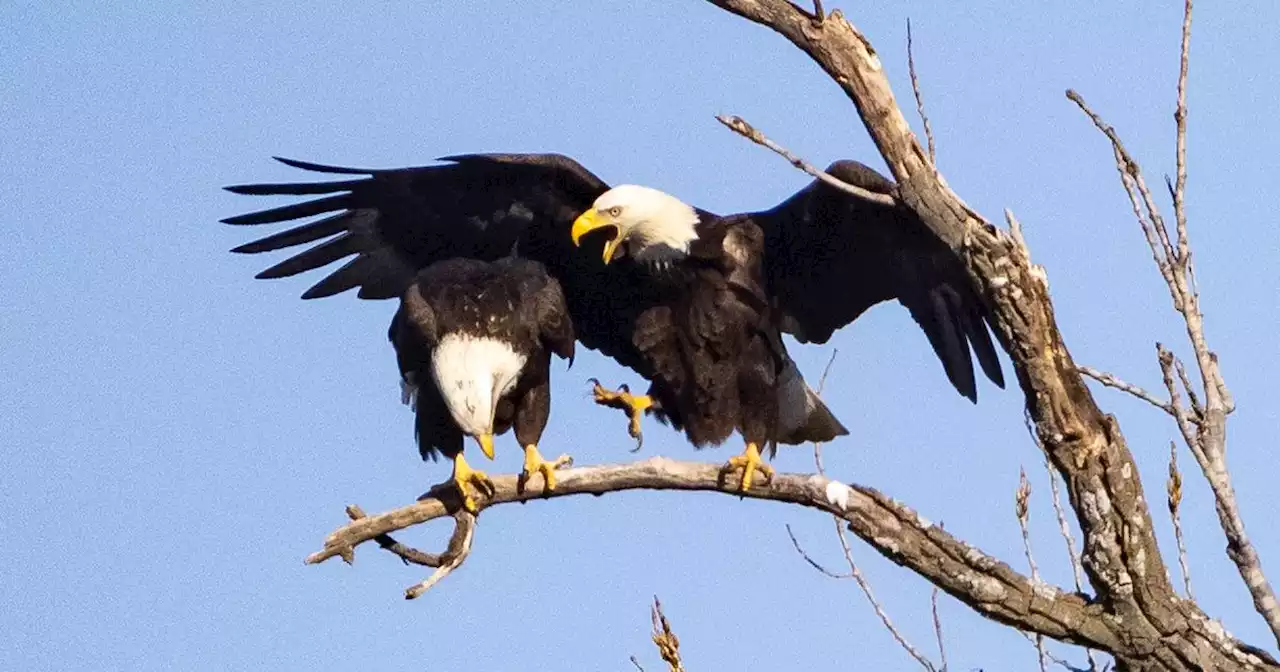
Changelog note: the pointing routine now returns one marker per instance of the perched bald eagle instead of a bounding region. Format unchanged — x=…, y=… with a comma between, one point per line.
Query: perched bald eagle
x=693, y=302
x=474, y=341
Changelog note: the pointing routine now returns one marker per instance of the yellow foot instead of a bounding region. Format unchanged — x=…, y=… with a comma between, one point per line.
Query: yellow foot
x=465, y=479
x=622, y=399
x=534, y=464
x=749, y=462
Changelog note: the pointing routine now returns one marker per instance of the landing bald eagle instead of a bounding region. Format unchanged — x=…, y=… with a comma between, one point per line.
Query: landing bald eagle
x=474, y=341
x=693, y=302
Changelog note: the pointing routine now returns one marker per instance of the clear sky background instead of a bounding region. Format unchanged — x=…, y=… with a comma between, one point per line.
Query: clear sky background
x=175, y=436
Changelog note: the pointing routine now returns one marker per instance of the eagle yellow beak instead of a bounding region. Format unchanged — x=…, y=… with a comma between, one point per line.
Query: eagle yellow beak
x=590, y=221
x=486, y=444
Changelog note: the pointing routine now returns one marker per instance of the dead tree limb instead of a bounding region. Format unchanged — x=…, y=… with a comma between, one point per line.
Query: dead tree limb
x=1085, y=445
x=984, y=583
x=1207, y=438
x=893, y=529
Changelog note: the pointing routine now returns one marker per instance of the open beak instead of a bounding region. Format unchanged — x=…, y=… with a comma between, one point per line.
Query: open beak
x=590, y=221
x=486, y=444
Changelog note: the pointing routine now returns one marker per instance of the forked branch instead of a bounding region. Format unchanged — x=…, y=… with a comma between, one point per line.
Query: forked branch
x=1203, y=424
x=986, y=584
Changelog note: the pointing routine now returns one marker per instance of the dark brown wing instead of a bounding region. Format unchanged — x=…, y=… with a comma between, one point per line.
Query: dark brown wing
x=829, y=256
x=398, y=221
x=480, y=206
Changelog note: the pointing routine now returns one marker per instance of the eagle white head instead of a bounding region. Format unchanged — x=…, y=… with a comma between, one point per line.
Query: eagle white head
x=652, y=223
x=472, y=374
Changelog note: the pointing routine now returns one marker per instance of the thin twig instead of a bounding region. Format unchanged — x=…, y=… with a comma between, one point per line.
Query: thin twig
x=1021, y=507
x=819, y=14
x=1064, y=529
x=741, y=127
x=822, y=383
x=937, y=622
x=809, y=559
x=1180, y=116
x=854, y=572
x=1196, y=408
x=1112, y=381
x=1077, y=570
x=915, y=88
x=875, y=604
x=1185, y=425
x=1058, y=661
x=1131, y=177
x=1174, y=488
x=637, y=664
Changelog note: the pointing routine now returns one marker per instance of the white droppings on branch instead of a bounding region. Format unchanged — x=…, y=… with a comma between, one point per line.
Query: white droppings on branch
x=838, y=495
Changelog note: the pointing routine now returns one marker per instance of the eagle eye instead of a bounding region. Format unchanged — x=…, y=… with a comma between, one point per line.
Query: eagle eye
x=615, y=211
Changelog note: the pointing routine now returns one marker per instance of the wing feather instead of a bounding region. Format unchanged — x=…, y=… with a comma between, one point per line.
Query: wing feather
x=298, y=235
x=401, y=220
x=830, y=256
x=390, y=224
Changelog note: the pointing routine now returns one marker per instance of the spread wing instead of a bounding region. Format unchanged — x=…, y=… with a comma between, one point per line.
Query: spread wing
x=829, y=256
x=396, y=222
x=392, y=223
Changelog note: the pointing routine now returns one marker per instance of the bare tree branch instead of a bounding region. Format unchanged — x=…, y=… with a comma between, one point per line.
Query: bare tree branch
x=1208, y=441
x=1112, y=381
x=742, y=127
x=915, y=88
x=1064, y=529
x=1049, y=657
x=854, y=573
x=1085, y=445
x=407, y=554
x=464, y=533
x=897, y=532
x=814, y=563
x=987, y=585
x=1180, y=116
x=1131, y=176
x=1174, y=489
x=1022, y=509
x=822, y=384
x=875, y=604
x=937, y=625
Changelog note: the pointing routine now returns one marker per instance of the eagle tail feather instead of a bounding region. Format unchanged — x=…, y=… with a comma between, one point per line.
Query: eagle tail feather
x=820, y=426
x=803, y=416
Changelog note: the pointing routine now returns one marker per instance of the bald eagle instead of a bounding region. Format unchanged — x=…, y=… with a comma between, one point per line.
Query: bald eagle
x=474, y=341
x=693, y=302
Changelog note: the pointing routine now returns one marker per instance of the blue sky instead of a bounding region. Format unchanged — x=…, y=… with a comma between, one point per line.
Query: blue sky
x=175, y=436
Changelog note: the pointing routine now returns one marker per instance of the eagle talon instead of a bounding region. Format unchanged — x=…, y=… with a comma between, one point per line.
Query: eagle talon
x=465, y=479
x=749, y=462
x=634, y=406
x=534, y=463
